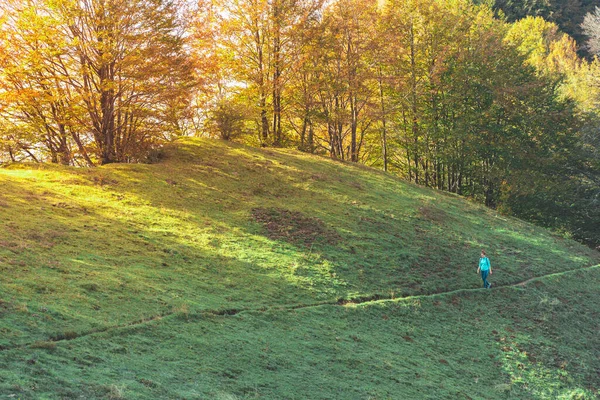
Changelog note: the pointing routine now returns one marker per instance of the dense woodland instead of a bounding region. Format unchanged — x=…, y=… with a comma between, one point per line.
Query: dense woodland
x=567, y=14
x=444, y=93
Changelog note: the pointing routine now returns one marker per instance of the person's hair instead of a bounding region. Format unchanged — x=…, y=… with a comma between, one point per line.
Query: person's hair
x=483, y=252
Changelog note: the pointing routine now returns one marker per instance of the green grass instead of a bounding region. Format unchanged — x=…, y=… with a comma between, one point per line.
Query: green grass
x=217, y=226
x=536, y=342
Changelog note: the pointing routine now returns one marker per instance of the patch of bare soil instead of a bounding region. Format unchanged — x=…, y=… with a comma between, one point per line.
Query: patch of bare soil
x=294, y=227
x=433, y=214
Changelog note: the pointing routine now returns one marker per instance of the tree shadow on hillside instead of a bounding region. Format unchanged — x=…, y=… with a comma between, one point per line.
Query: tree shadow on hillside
x=73, y=270
x=392, y=240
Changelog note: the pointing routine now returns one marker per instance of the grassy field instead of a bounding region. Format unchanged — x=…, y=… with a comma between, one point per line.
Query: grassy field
x=221, y=272
x=536, y=342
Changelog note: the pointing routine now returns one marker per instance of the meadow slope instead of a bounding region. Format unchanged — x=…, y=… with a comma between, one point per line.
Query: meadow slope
x=229, y=272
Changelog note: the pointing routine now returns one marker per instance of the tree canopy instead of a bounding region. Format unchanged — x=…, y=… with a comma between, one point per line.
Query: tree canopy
x=441, y=92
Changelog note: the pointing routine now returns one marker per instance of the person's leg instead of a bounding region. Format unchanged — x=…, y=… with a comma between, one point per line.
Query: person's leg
x=484, y=275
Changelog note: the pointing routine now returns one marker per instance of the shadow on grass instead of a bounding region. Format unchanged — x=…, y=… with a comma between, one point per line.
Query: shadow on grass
x=73, y=271
x=124, y=242
x=493, y=345
x=387, y=245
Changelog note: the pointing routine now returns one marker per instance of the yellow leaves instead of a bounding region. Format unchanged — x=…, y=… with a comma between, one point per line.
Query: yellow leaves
x=583, y=85
x=547, y=49
x=532, y=36
x=562, y=57
x=74, y=62
x=554, y=54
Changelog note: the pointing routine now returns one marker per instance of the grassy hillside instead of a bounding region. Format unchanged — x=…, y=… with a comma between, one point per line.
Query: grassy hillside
x=536, y=342
x=200, y=276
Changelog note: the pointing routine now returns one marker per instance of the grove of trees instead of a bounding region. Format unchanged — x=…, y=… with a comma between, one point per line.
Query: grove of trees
x=568, y=15
x=440, y=92
x=91, y=81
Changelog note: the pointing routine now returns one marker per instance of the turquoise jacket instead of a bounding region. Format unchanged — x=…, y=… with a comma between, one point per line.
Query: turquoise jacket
x=484, y=263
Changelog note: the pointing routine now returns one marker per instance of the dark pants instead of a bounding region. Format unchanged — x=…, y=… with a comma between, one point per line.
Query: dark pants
x=484, y=275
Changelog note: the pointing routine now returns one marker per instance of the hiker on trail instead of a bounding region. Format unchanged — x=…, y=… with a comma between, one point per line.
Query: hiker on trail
x=484, y=268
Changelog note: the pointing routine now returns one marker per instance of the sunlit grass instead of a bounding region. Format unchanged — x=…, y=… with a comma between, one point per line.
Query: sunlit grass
x=82, y=250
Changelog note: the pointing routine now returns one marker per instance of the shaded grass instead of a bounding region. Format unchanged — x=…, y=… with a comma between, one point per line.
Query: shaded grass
x=85, y=250
x=535, y=342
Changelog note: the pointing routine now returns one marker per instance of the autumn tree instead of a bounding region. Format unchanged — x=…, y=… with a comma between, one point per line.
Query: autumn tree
x=264, y=40
x=563, y=187
x=303, y=110
x=568, y=15
x=132, y=70
x=344, y=90
x=37, y=105
x=109, y=76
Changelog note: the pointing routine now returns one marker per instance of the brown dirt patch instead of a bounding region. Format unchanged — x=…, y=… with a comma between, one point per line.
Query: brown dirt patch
x=318, y=177
x=356, y=185
x=294, y=227
x=102, y=180
x=433, y=214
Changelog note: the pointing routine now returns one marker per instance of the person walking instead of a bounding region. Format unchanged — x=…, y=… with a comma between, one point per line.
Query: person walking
x=485, y=269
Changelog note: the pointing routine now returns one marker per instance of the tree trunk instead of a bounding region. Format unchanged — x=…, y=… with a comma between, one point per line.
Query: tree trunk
x=311, y=135
x=264, y=122
x=82, y=149
x=353, y=129
x=63, y=148
x=383, y=123
x=277, y=75
x=415, y=121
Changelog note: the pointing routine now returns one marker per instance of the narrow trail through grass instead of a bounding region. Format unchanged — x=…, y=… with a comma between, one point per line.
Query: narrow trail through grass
x=182, y=279
x=359, y=300
x=221, y=227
